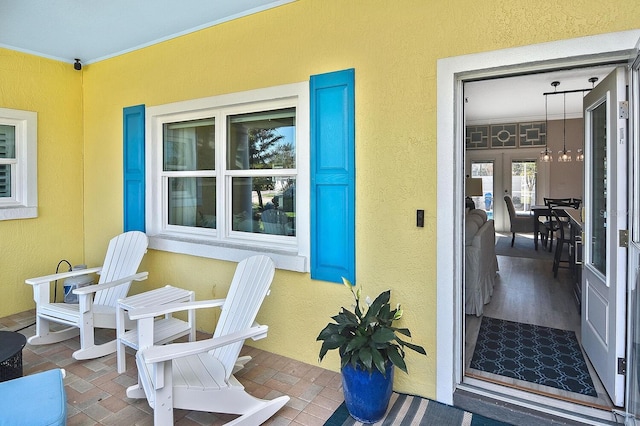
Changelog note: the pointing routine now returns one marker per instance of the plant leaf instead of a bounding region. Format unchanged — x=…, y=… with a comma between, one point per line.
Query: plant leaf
x=374, y=309
x=378, y=360
x=404, y=331
x=383, y=335
x=327, y=332
x=356, y=343
x=396, y=358
x=364, y=355
x=411, y=346
x=334, y=342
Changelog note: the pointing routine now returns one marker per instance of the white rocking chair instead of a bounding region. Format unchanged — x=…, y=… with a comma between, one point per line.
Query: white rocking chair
x=97, y=303
x=199, y=375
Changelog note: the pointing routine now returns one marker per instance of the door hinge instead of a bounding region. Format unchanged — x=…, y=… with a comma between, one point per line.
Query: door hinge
x=623, y=240
x=622, y=366
x=623, y=110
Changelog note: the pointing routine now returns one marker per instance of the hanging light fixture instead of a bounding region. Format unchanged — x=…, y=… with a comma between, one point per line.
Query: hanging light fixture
x=564, y=156
x=546, y=156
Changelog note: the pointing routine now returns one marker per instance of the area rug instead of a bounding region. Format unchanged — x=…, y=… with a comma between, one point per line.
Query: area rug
x=413, y=410
x=522, y=247
x=541, y=355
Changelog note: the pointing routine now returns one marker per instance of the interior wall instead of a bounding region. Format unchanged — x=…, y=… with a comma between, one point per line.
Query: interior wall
x=566, y=179
x=33, y=247
x=394, y=49
x=554, y=179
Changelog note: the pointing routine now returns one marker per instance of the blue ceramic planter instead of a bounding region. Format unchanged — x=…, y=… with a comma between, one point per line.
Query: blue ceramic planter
x=367, y=395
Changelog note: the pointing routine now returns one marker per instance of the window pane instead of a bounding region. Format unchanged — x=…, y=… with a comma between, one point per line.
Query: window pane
x=189, y=145
x=484, y=170
x=262, y=140
x=264, y=205
x=192, y=201
x=599, y=189
x=7, y=141
x=5, y=180
x=523, y=185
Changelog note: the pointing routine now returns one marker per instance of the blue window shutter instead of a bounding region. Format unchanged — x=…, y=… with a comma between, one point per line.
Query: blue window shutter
x=333, y=176
x=133, y=149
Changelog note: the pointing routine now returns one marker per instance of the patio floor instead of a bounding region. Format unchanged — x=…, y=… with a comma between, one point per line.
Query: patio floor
x=96, y=392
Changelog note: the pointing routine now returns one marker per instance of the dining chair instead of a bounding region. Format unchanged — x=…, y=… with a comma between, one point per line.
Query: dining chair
x=562, y=239
x=551, y=223
x=518, y=224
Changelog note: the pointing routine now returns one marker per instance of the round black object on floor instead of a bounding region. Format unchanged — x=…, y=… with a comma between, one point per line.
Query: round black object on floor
x=11, y=344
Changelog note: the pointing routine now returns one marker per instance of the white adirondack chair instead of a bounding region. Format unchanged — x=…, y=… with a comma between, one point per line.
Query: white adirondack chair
x=199, y=375
x=97, y=303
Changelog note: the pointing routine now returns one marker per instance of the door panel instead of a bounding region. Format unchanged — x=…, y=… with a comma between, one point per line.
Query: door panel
x=605, y=214
x=597, y=312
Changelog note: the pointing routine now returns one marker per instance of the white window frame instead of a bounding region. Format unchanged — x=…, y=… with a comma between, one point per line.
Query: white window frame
x=23, y=203
x=291, y=253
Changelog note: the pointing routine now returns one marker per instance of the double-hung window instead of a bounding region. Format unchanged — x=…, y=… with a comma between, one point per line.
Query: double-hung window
x=228, y=176
x=18, y=175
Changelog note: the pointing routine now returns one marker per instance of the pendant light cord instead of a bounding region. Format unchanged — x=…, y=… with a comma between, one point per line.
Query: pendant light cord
x=564, y=124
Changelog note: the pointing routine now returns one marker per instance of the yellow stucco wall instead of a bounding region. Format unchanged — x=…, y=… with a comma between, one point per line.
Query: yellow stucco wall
x=33, y=247
x=393, y=46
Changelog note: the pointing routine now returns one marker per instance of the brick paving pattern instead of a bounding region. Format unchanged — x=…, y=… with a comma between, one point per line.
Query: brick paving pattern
x=96, y=392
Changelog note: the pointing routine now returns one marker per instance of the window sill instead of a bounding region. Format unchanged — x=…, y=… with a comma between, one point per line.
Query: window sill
x=18, y=212
x=234, y=252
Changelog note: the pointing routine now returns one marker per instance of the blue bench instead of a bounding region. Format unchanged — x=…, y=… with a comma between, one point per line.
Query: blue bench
x=38, y=399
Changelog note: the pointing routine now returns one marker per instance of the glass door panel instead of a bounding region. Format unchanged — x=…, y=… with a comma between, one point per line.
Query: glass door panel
x=523, y=184
x=598, y=252
x=484, y=170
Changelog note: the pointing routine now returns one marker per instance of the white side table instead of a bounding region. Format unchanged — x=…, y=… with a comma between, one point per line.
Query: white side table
x=166, y=329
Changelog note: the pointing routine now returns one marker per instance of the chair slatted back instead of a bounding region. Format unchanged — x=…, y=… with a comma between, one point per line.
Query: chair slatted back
x=123, y=258
x=248, y=289
x=576, y=202
x=556, y=202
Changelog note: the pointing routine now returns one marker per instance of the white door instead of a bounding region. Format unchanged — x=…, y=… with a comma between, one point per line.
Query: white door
x=604, y=276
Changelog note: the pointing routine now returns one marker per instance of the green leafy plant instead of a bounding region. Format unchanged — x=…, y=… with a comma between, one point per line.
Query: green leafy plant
x=367, y=338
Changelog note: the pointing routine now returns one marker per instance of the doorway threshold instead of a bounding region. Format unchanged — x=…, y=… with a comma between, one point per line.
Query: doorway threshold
x=520, y=407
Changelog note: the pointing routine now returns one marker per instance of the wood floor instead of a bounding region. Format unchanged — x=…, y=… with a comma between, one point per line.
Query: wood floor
x=526, y=292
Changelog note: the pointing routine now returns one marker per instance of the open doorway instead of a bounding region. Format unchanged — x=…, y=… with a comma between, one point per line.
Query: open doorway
x=453, y=75
x=527, y=335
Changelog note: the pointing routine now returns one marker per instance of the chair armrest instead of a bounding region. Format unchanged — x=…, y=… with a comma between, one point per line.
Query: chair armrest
x=163, y=353
x=169, y=308
x=49, y=278
x=140, y=276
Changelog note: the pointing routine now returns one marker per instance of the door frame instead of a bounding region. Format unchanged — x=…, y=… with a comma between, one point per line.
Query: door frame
x=451, y=75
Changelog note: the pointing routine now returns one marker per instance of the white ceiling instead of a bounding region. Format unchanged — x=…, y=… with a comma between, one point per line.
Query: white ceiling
x=92, y=30
x=517, y=99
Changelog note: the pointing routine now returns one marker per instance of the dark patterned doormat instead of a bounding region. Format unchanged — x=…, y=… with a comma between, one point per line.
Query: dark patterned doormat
x=541, y=355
